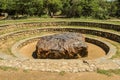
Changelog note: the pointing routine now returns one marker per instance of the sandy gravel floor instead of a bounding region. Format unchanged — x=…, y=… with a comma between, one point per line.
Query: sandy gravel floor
x=93, y=51
x=36, y=75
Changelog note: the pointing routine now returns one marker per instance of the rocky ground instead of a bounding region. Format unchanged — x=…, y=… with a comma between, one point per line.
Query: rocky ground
x=73, y=66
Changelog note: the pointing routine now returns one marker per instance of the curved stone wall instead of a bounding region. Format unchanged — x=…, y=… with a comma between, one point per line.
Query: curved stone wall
x=65, y=65
x=99, y=25
x=107, y=47
x=64, y=23
x=111, y=36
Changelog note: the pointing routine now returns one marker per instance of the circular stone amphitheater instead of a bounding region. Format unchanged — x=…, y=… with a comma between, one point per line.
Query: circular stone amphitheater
x=18, y=44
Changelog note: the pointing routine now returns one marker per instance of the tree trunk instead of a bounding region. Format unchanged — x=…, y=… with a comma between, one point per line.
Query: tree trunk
x=51, y=14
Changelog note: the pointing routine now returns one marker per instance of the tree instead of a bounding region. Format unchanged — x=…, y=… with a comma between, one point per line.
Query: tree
x=22, y=6
x=29, y=7
x=118, y=8
x=87, y=7
x=65, y=7
x=112, y=8
x=100, y=11
x=71, y=8
x=35, y=7
x=52, y=6
x=77, y=8
x=7, y=6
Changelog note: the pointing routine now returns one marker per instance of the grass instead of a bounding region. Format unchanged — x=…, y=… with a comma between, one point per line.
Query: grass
x=5, y=68
x=109, y=72
x=62, y=73
x=36, y=19
x=1, y=59
x=25, y=71
x=116, y=71
x=105, y=72
x=37, y=27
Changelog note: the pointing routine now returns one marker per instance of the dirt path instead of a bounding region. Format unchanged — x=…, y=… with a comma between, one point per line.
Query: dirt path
x=93, y=51
x=36, y=75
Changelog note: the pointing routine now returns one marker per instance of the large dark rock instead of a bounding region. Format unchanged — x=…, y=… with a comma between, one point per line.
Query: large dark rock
x=58, y=46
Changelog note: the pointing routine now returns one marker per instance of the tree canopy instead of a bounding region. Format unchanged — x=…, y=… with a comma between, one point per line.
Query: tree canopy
x=101, y=9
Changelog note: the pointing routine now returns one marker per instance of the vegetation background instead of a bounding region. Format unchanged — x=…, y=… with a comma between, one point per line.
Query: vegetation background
x=100, y=9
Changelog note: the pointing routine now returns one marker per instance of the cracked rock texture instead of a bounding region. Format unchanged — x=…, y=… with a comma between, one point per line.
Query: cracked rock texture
x=62, y=46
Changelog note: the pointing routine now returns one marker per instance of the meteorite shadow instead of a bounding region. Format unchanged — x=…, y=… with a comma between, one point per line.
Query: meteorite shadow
x=34, y=55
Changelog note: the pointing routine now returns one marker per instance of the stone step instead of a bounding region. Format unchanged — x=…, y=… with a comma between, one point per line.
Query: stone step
x=62, y=65
x=5, y=56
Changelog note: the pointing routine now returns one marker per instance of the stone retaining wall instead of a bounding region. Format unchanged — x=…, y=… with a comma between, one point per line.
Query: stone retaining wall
x=64, y=23
x=111, y=36
x=99, y=25
x=64, y=65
